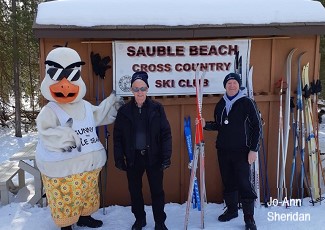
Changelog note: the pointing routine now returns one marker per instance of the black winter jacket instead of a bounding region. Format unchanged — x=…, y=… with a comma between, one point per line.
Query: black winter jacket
x=243, y=130
x=159, y=139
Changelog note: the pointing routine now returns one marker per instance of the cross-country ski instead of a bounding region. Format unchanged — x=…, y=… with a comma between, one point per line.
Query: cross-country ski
x=198, y=153
x=310, y=137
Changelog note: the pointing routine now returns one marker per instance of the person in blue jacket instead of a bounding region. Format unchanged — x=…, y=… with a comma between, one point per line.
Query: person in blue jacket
x=143, y=143
x=238, y=123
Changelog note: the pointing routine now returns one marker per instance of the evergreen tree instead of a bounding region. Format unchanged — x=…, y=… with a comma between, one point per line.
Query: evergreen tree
x=19, y=64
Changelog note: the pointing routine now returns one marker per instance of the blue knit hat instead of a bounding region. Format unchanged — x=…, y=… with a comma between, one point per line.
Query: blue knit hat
x=232, y=76
x=140, y=75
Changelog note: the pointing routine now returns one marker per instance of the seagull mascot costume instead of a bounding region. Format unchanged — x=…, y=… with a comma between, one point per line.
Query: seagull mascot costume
x=69, y=153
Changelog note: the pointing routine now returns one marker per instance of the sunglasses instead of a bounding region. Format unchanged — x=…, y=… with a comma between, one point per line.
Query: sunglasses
x=57, y=74
x=137, y=89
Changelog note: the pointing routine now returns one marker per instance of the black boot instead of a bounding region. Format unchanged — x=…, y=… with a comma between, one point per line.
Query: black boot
x=88, y=221
x=160, y=226
x=67, y=228
x=249, y=223
x=231, y=212
x=139, y=224
x=248, y=210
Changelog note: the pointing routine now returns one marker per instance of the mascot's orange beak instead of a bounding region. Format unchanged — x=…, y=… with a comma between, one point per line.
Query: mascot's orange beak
x=64, y=91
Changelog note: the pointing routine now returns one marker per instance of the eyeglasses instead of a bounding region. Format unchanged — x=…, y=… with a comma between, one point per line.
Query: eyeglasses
x=137, y=89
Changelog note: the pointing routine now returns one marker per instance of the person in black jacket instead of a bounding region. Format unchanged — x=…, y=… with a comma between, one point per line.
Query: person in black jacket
x=238, y=123
x=143, y=142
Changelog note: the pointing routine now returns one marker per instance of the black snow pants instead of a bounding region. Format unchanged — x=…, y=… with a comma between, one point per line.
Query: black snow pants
x=155, y=179
x=235, y=173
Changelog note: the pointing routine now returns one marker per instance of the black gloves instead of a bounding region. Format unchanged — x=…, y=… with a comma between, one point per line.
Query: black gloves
x=100, y=65
x=165, y=164
x=121, y=165
x=210, y=126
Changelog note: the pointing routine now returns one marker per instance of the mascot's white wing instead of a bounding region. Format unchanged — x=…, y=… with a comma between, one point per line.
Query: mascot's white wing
x=105, y=113
x=55, y=137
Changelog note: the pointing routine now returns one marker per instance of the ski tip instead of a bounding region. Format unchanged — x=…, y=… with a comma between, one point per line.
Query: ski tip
x=302, y=53
x=293, y=50
x=291, y=54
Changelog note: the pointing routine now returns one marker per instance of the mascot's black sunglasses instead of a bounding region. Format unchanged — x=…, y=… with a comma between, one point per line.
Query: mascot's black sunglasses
x=57, y=74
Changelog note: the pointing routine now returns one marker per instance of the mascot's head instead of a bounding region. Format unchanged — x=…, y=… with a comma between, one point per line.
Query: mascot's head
x=62, y=82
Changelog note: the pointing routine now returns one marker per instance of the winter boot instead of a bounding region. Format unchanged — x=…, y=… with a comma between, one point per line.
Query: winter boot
x=139, y=224
x=231, y=212
x=249, y=223
x=67, y=228
x=160, y=226
x=248, y=210
x=88, y=221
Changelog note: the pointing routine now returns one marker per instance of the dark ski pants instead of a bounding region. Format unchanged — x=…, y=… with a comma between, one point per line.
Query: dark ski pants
x=155, y=179
x=235, y=173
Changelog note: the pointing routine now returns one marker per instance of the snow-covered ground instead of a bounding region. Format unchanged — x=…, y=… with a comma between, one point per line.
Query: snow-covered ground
x=19, y=215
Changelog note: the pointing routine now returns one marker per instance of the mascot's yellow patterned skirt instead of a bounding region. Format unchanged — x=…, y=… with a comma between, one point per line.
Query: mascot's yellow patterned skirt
x=72, y=196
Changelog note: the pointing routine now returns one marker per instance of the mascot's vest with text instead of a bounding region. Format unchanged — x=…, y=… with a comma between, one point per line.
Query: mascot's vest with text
x=85, y=129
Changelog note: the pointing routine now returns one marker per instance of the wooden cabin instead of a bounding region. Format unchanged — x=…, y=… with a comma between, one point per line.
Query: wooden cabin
x=269, y=46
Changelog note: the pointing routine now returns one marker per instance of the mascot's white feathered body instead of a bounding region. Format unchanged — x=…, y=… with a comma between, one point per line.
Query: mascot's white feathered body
x=69, y=153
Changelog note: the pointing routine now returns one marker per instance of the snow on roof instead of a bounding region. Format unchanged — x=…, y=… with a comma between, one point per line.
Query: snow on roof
x=88, y=13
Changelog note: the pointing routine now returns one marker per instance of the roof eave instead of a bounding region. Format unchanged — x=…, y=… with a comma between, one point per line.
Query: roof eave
x=178, y=32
